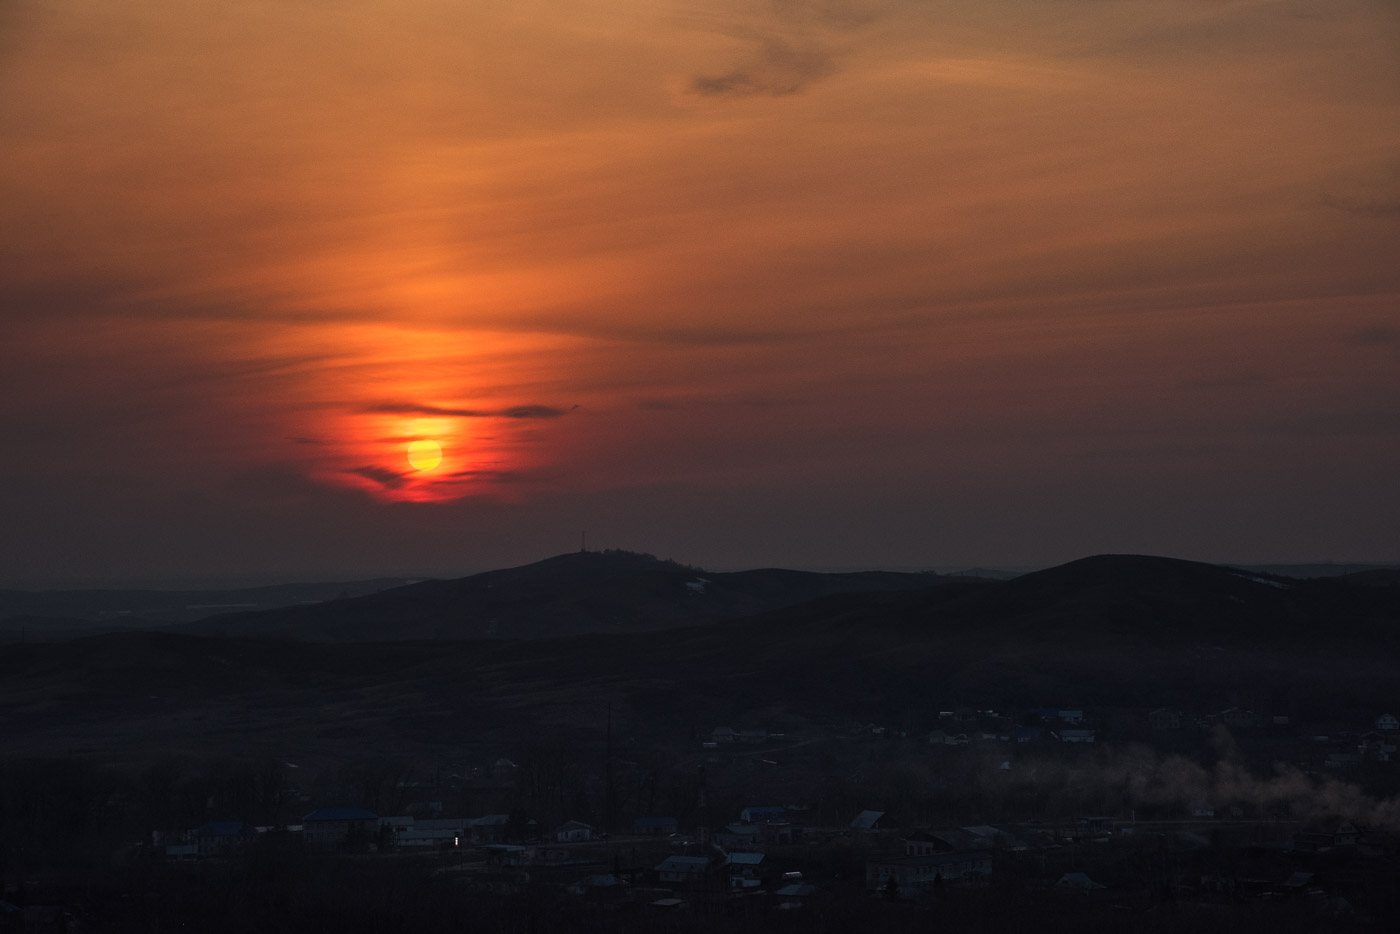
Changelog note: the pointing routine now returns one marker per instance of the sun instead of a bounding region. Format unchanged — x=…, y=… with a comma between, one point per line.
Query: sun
x=425, y=454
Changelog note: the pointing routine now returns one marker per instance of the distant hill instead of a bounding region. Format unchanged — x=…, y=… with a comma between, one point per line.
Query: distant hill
x=45, y=613
x=1121, y=631
x=570, y=594
x=1323, y=569
x=1375, y=577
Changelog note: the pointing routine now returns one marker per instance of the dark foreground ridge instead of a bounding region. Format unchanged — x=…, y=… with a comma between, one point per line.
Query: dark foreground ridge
x=1122, y=742
x=1119, y=630
x=571, y=594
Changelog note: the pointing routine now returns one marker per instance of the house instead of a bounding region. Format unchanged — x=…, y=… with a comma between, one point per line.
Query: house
x=655, y=826
x=400, y=824
x=1027, y=734
x=751, y=860
x=722, y=734
x=1200, y=808
x=1097, y=825
x=751, y=737
x=1164, y=718
x=923, y=843
x=743, y=869
x=1072, y=716
x=437, y=832
x=1237, y=717
x=182, y=851
x=490, y=828
x=1077, y=736
x=1388, y=723
x=506, y=854
x=943, y=841
x=573, y=832
x=683, y=869
x=758, y=815
x=737, y=835
x=909, y=874
x=334, y=828
x=986, y=836
x=218, y=838
x=867, y=820
x=1347, y=834
x=777, y=831
x=942, y=738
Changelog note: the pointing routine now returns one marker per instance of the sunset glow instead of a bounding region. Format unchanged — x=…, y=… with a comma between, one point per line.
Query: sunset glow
x=1003, y=281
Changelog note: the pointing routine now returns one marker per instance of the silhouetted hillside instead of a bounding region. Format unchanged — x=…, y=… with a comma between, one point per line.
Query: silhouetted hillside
x=1114, y=630
x=110, y=610
x=1376, y=577
x=572, y=594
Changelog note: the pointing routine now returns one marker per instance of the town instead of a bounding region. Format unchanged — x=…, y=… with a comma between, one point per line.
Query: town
x=1084, y=814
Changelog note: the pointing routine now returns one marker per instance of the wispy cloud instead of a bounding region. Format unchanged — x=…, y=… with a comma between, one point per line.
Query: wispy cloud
x=1375, y=335
x=1379, y=207
x=493, y=476
x=792, y=46
x=777, y=67
x=389, y=479
x=517, y=411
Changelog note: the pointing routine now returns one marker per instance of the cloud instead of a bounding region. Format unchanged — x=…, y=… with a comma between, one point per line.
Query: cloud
x=1375, y=335
x=389, y=479
x=1247, y=380
x=494, y=476
x=1364, y=207
x=533, y=411
x=793, y=46
x=778, y=67
x=518, y=411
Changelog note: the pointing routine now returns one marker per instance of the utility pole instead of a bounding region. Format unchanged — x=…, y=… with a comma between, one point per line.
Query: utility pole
x=583, y=541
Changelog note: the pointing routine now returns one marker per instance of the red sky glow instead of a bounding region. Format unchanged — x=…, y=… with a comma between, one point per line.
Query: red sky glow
x=740, y=282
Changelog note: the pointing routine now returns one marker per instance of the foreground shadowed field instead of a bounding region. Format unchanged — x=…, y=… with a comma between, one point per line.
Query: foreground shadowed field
x=113, y=738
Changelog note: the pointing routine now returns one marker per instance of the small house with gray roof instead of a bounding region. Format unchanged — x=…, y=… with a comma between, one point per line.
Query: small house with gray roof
x=333, y=828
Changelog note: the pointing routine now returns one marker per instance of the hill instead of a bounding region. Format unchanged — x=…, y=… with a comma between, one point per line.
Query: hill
x=571, y=594
x=1113, y=631
x=46, y=612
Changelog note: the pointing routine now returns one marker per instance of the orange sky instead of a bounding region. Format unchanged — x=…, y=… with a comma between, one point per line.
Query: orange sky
x=804, y=282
